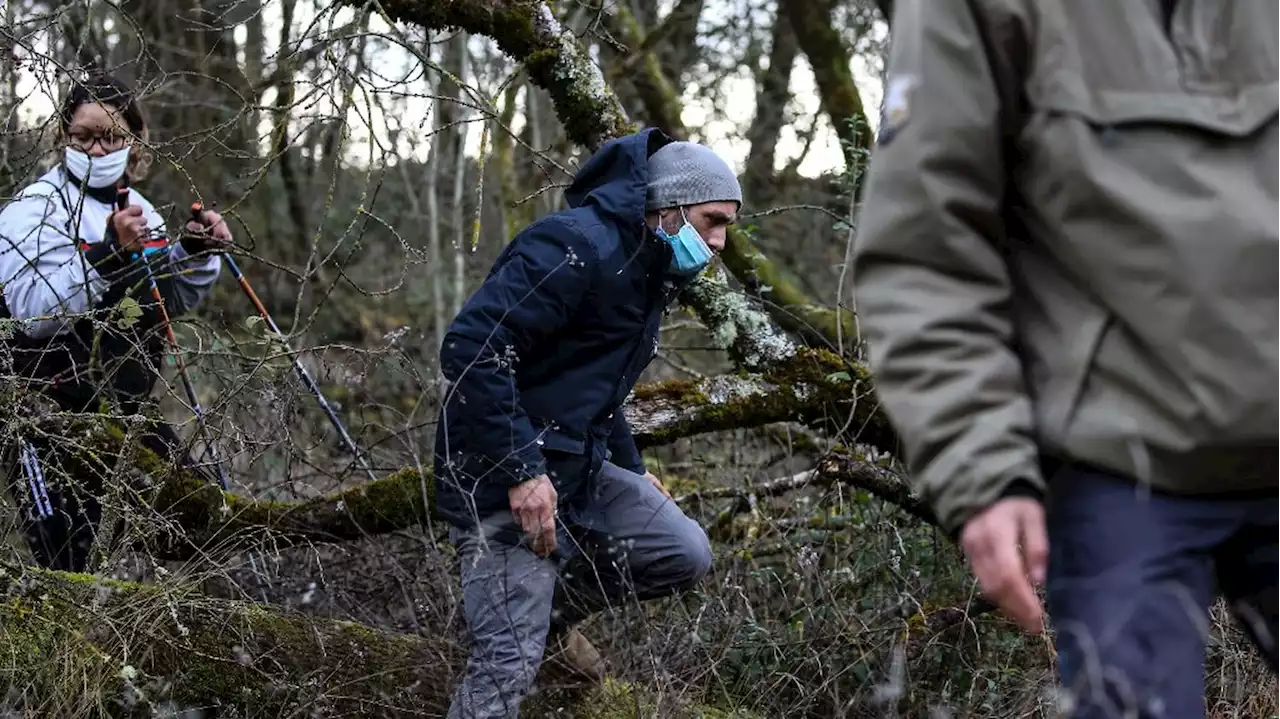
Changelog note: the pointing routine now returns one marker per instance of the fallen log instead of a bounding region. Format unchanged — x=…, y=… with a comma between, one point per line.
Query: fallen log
x=82, y=646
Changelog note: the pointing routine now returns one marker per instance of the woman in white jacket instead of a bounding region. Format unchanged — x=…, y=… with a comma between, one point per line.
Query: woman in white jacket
x=67, y=260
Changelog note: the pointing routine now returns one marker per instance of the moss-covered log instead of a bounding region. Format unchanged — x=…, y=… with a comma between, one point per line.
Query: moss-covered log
x=206, y=517
x=81, y=646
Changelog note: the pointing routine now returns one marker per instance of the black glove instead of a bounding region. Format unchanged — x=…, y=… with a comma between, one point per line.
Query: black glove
x=205, y=232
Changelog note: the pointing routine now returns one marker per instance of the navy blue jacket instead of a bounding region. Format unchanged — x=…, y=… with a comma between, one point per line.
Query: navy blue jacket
x=541, y=357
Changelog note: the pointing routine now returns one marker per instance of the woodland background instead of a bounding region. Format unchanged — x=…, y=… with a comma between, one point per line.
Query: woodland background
x=374, y=158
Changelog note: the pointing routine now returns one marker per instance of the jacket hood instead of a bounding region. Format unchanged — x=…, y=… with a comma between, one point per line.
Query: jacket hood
x=616, y=178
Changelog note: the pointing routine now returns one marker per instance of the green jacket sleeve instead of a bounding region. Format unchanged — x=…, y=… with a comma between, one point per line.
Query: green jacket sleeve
x=931, y=285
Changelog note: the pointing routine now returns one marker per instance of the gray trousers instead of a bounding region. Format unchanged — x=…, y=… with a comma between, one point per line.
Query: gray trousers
x=628, y=543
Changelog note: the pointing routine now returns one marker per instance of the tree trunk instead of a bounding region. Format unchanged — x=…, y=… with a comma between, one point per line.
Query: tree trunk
x=829, y=59
x=773, y=91
x=459, y=224
x=433, y=220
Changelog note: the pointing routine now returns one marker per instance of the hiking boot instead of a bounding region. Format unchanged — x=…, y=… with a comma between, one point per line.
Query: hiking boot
x=572, y=655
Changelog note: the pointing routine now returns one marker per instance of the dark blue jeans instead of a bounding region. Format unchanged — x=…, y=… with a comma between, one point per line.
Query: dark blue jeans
x=1132, y=575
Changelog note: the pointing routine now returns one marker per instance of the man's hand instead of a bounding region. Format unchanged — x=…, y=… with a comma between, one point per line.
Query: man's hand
x=533, y=503
x=210, y=234
x=130, y=227
x=657, y=483
x=991, y=541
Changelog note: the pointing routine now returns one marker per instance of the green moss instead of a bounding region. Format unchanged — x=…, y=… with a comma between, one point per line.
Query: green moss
x=207, y=515
x=52, y=665
x=682, y=391
x=395, y=501
x=542, y=62
x=69, y=638
x=679, y=485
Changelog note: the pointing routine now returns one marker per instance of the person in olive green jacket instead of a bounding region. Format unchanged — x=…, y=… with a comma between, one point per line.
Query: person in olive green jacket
x=1066, y=275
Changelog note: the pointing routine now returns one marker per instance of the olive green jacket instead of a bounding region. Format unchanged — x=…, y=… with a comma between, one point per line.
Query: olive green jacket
x=1068, y=244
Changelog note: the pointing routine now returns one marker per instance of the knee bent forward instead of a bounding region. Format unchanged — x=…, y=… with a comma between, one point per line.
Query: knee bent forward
x=695, y=560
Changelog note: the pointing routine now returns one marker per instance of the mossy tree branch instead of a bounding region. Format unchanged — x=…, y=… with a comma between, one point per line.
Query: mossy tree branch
x=786, y=303
x=643, y=68
x=811, y=386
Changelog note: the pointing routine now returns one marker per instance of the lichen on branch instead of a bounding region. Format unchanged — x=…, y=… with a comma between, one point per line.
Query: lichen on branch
x=736, y=325
x=811, y=386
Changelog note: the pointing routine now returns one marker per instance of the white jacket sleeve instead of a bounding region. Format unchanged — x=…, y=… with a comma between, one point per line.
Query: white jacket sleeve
x=46, y=279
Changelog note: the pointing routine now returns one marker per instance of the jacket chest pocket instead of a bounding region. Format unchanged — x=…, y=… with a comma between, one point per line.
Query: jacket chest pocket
x=1210, y=65
x=1125, y=119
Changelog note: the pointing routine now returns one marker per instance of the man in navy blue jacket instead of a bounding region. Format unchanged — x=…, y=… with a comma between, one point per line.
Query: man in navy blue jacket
x=553, y=513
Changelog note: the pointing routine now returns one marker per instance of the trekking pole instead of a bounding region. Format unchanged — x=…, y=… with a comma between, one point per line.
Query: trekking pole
x=196, y=209
x=122, y=201
x=35, y=479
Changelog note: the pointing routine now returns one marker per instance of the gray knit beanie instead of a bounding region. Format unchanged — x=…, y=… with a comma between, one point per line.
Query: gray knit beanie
x=686, y=173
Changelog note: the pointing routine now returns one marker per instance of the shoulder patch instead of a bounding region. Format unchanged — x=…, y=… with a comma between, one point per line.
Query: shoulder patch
x=897, y=106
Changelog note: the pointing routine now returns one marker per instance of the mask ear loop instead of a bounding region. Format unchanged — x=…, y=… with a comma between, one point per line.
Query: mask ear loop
x=661, y=219
x=696, y=234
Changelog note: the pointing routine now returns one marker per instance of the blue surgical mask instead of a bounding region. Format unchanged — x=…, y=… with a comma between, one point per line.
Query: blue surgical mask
x=689, y=253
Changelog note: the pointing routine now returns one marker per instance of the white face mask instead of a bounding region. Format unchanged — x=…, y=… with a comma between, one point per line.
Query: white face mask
x=98, y=171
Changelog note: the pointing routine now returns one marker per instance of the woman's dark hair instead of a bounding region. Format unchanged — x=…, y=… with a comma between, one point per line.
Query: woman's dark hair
x=108, y=89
